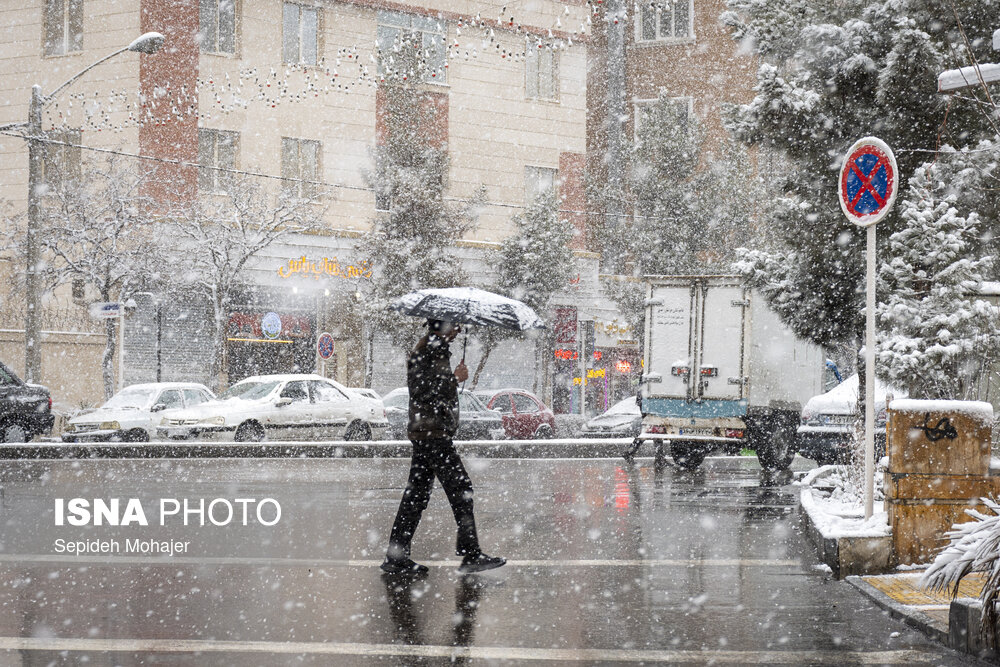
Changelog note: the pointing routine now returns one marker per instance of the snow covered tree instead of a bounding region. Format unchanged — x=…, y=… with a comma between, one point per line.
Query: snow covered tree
x=217, y=237
x=97, y=229
x=411, y=244
x=531, y=266
x=833, y=72
x=933, y=332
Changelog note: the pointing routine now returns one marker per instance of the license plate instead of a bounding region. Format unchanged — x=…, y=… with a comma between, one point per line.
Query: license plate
x=838, y=419
x=696, y=431
x=177, y=432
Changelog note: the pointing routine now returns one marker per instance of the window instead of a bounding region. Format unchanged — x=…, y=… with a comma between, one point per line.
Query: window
x=218, y=26
x=195, y=397
x=323, y=392
x=300, y=34
x=411, y=47
x=683, y=107
x=502, y=403
x=524, y=404
x=63, y=26
x=541, y=80
x=295, y=391
x=216, y=150
x=664, y=21
x=537, y=181
x=170, y=399
x=62, y=159
x=79, y=291
x=300, y=163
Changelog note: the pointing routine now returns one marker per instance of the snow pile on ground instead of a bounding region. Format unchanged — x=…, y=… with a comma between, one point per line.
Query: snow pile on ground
x=836, y=506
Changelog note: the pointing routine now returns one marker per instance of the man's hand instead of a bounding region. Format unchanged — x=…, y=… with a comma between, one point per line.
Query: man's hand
x=461, y=372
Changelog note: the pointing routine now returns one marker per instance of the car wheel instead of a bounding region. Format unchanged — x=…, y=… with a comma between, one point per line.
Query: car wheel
x=249, y=432
x=687, y=455
x=137, y=435
x=358, y=431
x=777, y=452
x=14, y=432
x=544, y=432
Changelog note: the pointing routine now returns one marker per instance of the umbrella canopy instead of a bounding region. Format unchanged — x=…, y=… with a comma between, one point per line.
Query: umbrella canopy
x=469, y=305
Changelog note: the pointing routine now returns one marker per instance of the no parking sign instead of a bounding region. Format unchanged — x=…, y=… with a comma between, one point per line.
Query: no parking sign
x=325, y=346
x=868, y=182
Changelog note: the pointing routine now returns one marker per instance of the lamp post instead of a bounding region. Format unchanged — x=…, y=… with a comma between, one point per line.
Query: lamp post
x=149, y=42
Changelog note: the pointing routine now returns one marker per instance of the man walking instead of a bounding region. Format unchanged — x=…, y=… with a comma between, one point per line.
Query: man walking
x=433, y=421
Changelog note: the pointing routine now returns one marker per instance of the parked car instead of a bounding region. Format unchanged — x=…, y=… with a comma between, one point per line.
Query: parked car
x=133, y=414
x=475, y=420
x=25, y=409
x=280, y=407
x=621, y=420
x=524, y=415
x=827, y=422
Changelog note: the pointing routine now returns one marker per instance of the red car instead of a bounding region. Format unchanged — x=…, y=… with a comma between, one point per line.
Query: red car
x=524, y=416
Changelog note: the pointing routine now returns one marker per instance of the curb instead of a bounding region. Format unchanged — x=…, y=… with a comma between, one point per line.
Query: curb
x=912, y=617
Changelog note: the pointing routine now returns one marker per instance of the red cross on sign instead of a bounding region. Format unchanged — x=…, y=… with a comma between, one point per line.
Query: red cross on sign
x=868, y=182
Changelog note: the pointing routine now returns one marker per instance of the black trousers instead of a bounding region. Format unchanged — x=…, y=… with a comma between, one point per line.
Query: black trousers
x=435, y=457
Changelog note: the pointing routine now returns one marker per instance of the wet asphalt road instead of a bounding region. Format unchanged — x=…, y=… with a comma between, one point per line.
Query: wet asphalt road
x=610, y=564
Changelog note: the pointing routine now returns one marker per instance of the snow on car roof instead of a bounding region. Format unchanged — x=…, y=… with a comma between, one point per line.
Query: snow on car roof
x=843, y=398
x=283, y=377
x=166, y=385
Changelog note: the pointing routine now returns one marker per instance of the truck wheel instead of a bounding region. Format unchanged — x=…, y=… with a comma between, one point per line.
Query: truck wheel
x=777, y=452
x=687, y=455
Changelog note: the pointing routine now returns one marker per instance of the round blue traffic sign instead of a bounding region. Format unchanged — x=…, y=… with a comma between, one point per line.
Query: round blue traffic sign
x=868, y=182
x=325, y=346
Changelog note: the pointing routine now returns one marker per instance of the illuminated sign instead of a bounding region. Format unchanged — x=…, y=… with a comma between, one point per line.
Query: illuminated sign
x=327, y=268
x=566, y=355
x=598, y=355
x=623, y=366
x=595, y=373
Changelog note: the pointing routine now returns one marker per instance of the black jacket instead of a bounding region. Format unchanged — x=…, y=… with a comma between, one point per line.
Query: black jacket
x=433, y=390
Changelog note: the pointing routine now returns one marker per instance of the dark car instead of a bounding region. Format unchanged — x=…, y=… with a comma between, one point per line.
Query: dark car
x=475, y=420
x=25, y=409
x=621, y=420
x=524, y=415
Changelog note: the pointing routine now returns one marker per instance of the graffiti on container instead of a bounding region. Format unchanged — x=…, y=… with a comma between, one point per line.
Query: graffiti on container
x=943, y=429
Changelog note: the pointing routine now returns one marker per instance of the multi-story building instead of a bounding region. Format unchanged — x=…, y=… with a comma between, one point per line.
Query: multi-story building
x=291, y=94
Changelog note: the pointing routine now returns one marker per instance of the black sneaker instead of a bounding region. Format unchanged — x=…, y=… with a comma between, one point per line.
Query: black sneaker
x=480, y=562
x=403, y=566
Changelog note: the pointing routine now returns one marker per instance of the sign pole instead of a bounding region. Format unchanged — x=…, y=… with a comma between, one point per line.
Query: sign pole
x=867, y=190
x=870, y=377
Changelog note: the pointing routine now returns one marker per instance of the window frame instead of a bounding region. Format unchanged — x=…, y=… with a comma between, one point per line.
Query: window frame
x=297, y=186
x=533, y=79
x=411, y=25
x=62, y=162
x=70, y=30
x=530, y=193
x=298, y=46
x=218, y=178
x=215, y=8
x=657, y=19
x=640, y=103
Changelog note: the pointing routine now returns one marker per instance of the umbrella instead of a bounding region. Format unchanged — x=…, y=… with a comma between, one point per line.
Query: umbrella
x=469, y=305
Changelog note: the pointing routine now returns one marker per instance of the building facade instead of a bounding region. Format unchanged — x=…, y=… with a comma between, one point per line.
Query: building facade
x=293, y=95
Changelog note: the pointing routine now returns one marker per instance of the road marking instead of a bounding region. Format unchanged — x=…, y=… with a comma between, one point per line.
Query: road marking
x=320, y=562
x=797, y=656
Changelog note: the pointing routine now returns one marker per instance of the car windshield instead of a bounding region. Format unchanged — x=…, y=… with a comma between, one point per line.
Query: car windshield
x=470, y=403
x=248, y=391
x=131, y=399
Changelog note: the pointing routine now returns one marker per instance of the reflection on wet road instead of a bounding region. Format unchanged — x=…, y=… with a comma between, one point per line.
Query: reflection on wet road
x=608, y=564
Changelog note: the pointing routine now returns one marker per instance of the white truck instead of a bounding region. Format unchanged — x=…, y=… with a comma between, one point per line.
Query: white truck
x=721, y=370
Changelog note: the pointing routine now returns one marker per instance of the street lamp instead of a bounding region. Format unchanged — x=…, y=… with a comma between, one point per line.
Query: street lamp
x=148, y=43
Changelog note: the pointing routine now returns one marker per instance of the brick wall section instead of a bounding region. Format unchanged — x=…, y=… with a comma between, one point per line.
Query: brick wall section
x=573, y=195
x=174, y=66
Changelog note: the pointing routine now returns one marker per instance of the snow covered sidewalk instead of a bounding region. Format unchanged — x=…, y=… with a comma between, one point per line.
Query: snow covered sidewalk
x=834, y=518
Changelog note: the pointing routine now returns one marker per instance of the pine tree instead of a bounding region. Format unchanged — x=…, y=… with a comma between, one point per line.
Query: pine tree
x=933, y=334
x=531, y=266
x=833, y=72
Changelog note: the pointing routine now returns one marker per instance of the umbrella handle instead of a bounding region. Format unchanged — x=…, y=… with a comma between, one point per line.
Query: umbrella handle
x=465, y=343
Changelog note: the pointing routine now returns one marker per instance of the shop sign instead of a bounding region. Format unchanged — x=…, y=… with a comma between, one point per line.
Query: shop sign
x=326, y=268
x=566, y=355
x=623, y=366
x=270, y=325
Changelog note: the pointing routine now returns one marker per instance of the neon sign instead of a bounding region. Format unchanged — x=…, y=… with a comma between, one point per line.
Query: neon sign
x=326, y=267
